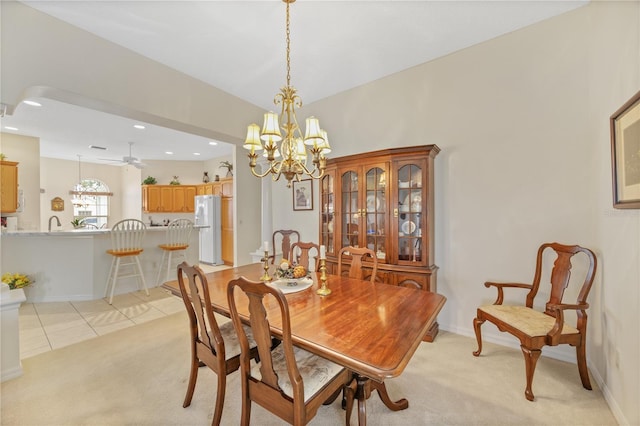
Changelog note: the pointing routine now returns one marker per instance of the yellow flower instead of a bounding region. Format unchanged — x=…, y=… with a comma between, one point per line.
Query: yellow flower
x=16, y=280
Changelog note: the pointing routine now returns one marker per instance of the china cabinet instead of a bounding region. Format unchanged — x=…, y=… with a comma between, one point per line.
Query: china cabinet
x=9, y=186
x=383, y=200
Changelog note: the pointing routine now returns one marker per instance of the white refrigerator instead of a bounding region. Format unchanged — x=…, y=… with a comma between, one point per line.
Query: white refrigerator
x=207, y=217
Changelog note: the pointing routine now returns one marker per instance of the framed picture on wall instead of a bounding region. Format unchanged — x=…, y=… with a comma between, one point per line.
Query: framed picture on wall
x=625, y=154
x=303, y=195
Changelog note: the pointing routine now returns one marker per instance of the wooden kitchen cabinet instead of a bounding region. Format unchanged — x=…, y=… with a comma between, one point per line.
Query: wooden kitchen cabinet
x=8, y=186
x=226, y=206
x=168, y=198
x=383, y=200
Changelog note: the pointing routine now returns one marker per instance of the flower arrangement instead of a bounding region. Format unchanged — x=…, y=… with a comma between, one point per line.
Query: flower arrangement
x=175, y=181
x=290, y=270
x=16, y=280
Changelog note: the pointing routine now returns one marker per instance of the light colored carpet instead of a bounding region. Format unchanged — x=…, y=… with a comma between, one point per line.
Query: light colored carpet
x=137, y=376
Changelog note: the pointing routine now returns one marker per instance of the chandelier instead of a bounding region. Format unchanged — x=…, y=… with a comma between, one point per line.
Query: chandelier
x=288, y=155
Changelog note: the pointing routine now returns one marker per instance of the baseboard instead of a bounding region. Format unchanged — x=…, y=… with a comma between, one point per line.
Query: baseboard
x=611, y=402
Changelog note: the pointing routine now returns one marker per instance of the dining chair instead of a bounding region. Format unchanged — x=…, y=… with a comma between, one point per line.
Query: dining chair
x=176, y=244
x=290, y=382
x=301, y=254
x=357, y=269
x=213, y=345
x=283, y=237
x=126, y=244
x=536, y=329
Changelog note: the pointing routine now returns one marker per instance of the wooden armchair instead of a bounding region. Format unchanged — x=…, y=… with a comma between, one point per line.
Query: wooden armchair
x=356, y=269
x=301, y=254
x=288, y=381
x=283, y=236
x=536, y=329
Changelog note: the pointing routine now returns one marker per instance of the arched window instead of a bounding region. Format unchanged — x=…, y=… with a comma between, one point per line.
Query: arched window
x=91, y=203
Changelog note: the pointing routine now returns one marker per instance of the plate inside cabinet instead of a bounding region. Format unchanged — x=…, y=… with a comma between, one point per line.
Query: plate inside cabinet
x=408, y=227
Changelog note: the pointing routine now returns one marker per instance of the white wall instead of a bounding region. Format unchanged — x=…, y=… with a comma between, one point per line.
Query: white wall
x=522, y=121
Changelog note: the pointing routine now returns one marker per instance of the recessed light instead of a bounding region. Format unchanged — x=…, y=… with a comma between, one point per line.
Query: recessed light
x=213, y=143
x=33, y=103
x=138, y=126
x=10, y=128
x=196, y=153
x=168, y=152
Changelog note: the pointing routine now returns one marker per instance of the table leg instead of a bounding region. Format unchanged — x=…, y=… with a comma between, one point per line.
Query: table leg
x=363, y=392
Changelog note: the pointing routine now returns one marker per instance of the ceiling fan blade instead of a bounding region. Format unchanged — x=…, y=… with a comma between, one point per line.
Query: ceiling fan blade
x=109, y=159
x=139, y=165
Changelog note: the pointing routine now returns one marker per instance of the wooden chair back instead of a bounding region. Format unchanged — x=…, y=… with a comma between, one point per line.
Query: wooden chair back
x=301, y=254
x=357, y=267
x=178, y=234
x=277, y=383
x=127, y=235
x=536, y=329
x=282, y=238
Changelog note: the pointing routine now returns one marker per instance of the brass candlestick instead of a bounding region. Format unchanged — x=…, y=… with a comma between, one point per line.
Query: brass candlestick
x=265, y=277
x=324, y=290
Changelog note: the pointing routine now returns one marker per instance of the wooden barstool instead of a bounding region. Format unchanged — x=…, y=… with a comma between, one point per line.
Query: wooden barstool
x=177, y=242
x=126, y=243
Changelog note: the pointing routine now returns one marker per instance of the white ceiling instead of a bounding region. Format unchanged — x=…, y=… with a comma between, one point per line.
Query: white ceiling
x=239, y=47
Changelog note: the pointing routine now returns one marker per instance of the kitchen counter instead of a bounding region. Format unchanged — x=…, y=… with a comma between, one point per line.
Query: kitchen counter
x=72, y=265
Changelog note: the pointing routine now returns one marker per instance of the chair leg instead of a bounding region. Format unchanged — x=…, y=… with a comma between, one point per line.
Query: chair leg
x=530, y=360
x=115, y=279
x=477, y=323
x=144, y=283
x=193, y=377
x=349, y=396
x=582, y=364
x=222, y=385
x=167, y=278
x=110, y=278
x=160, y=268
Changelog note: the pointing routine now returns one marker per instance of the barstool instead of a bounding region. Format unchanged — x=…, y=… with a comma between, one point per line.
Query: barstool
x=178, y=234
x=126, y=243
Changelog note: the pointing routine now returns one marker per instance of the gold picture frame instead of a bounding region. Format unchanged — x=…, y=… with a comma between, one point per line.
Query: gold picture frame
x=625, y=154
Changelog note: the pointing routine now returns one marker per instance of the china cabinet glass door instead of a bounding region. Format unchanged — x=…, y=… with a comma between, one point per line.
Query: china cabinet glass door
x=410, y=213
x=328, y=208
x=376, y=211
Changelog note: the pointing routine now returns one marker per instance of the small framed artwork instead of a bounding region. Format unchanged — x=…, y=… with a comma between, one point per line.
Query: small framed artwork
x=625, y=154
x=303, y=195
x=57, y=204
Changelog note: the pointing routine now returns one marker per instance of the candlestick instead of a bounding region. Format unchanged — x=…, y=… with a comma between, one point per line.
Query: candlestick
x=265, y=277
x=323, y=290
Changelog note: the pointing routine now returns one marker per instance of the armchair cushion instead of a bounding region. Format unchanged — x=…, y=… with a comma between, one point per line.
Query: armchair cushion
x=531, y=322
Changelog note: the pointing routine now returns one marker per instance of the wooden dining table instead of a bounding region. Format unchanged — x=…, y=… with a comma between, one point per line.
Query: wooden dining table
x=372, y=329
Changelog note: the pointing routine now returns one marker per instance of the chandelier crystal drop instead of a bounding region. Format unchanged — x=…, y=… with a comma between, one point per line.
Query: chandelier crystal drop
x=286, y=150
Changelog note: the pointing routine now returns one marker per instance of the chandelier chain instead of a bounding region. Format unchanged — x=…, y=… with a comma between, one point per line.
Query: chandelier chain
x=288, y=49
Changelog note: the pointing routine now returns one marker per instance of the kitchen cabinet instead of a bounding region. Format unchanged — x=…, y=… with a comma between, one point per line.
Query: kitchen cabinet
x=168, y=198
x=383, y=200
x=225, y=189
x=8, y=186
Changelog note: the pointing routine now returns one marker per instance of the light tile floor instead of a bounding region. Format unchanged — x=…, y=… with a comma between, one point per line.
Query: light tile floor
x=52, y=325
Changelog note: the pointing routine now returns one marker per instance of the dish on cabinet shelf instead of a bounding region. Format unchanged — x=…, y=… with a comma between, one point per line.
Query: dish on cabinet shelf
x=373, y=203
x=402, y=184
x=408, y=227
x=292, y=285
x=413, y=203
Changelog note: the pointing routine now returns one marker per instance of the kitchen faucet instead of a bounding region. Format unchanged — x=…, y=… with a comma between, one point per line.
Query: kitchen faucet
x=57, y=220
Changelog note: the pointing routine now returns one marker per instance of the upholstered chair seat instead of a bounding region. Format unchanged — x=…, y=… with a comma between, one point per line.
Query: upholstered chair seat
x=526, y=320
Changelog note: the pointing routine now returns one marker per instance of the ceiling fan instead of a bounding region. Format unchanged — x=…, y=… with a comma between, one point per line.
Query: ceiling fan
x=129, y=159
